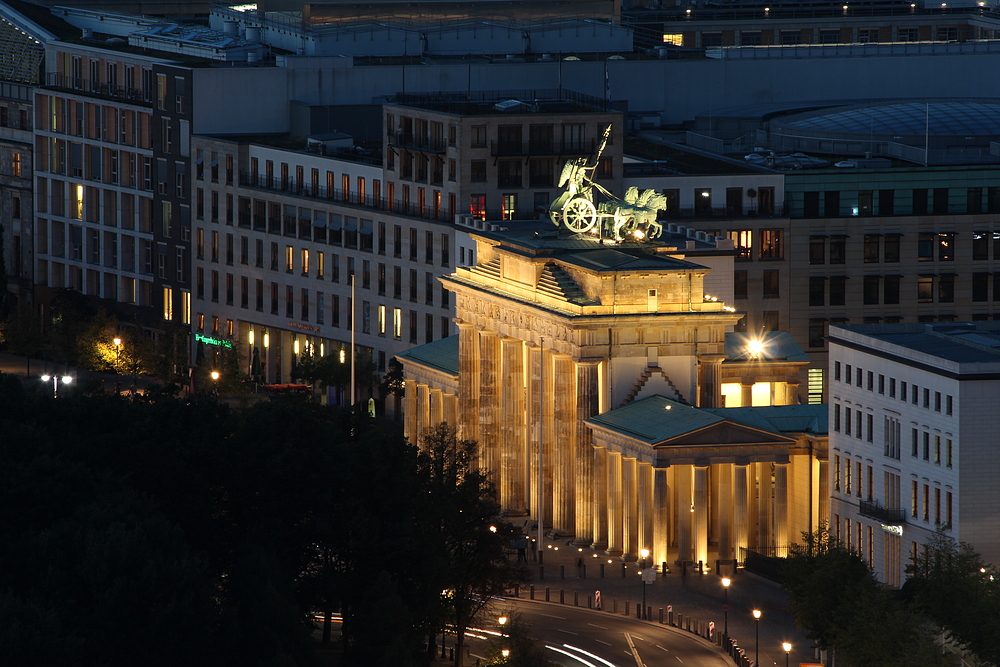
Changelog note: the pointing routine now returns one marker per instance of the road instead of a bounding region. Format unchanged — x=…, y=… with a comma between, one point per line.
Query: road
x=583, y=638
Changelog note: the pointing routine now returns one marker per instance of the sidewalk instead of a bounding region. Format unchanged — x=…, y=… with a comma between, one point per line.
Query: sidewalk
x=697, y=596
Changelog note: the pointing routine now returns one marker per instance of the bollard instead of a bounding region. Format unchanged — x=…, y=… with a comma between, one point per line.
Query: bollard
x=562, y=571
x=517, y=591
x=576, y=599
x=626, y=607
x=444, y=649
x=546, y=593
x=663, y=567
x=661, y=615
x=614, y=606
x=531, y=592
x=451, y=654
x=623, y=570
x=718, y=566
x=562, y=596
x=602, y=570
x=638, y=612
x=590, y=601
x=680, y=620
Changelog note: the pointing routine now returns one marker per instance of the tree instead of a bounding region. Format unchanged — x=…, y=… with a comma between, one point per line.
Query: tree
x=524, y=650
x=953, y=585
x=71, y=314
x=22, y=332
x=465, y=529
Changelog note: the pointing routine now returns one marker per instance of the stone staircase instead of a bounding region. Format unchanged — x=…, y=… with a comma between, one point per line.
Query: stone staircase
x=555, y=282
x=644, y=378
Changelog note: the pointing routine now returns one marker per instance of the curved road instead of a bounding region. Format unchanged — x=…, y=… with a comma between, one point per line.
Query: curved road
x=579, y=637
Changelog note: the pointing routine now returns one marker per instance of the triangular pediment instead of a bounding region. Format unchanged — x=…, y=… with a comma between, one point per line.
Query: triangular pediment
x=725, y=433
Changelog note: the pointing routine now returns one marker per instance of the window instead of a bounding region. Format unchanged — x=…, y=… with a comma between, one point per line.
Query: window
x=925, y=289
x=890, y=289
x=838, y=249
x=477, y=171
x=838, y=288
x=771, y=284
x=740, y=284
x=980, y=245
x=871, y=248
x=817, y=291
x=742, y=239
x=871, y=290
x=817, y=250
x=771, y=244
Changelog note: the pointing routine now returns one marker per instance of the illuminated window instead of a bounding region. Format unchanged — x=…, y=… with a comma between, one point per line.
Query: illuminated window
x=168, y=303
x=381, y=320
x=77, y=212
x=161, y=91
x=397, y=323
x=676, y=39
x=16, y=164
x=289, y=259
x=477, y=206
x=742, y=239
x=815, y=386
x=305, y=262
x=185, y=307
x=320, y=264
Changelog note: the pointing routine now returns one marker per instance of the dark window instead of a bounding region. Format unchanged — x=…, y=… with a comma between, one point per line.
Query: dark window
x=980, y=287
x=925, y=289
x=740, y=284
x=831, y=203
x=886, y=201
x=817, y=291
x=817, y=250
x=946, y=289
x=920, y=201
x=890, y=290
x=770, y=284
x=974, y=202
x=771, y=244
x=817, y=330
x=940, y=201
x=980, y=245
x=871, y=285
x=810, y=204
x=872, y=246
x=890, y=251
x=838, y=250
x=838, y=286
x=925, y=246
x=477, y=170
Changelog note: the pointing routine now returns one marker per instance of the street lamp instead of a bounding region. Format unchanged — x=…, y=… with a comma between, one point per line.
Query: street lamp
x=505, y=653
x=503, y=622
x=118, y=362
x=645, y=554
x=725, y=608
x=756, y=641
x=788, y=649
x=54, y=379
x=215, y=378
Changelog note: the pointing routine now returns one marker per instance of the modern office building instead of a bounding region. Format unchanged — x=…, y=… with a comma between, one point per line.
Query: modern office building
x=912, y=446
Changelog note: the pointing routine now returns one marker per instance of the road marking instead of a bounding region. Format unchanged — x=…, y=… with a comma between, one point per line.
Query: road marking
x=594, y=625
x=635, y=651
x=678, y=657
x=602, y=642
x=568, y=632
x=660, y=647
x=589, y=655
x=561, y=618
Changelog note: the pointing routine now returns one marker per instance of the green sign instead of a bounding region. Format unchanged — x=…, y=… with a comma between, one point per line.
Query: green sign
x=208, y=340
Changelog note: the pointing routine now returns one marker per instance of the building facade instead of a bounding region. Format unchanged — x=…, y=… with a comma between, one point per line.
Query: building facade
x=911, y=439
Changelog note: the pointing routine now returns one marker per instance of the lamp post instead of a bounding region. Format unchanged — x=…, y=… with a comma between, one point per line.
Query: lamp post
x=54, y=379
x=788, y=649
x=505, y=653
x=502, y=621
x=756, y=641
x=118, y=362
x=250, y=351
x=725, y=608
x=215, y=379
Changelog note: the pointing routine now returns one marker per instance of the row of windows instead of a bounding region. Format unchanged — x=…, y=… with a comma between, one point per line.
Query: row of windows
x=96, y=163
x=351, y=236
x=106, y=123
x=15, y=118
x=918, y=201
x=375, y=319
x=834, y=35
x=867, y=379
x=885, y=289
x=862, y=426
x=123, y=289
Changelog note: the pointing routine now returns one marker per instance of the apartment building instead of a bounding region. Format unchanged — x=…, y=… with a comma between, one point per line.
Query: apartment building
x=496, y=158
x=912, y=439
x=279, y=233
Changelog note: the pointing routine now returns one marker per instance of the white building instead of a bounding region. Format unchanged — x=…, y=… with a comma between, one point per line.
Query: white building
x=912, y=439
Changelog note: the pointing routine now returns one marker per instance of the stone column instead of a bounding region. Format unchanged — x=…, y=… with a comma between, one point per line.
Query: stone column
x=423, y=409
x=564, y=448
x=468, y=381
x=512, y=451
x=450, y=415
x=710, y=370
x=630, y=496
x=533, y=423
x=646, y=508
x=683, y=478
x=746, y=395
x=700, y=528
x=600, y=498
x=661, y=517
x=616, y=518
x=781, y=504
x=587, y=405
x=765, y=507
x=410, y=410
x=791, y=393
x=436, y=408
x=489, y=403
x=822, y=497
x=741, y=521
x=724, y=473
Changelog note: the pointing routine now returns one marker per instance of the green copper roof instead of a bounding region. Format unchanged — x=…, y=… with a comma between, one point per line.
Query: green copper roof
x=656, y=418
x=441, y=354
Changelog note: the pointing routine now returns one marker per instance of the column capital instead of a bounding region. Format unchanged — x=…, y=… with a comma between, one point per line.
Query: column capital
x=589, y=361
x=711, y=358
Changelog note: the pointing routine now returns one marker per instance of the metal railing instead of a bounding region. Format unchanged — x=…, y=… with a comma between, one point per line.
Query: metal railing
x=872, y=509
x=99, y=88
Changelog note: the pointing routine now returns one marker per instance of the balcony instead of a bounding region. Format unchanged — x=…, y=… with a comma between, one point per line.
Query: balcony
x=415, y=142
x=544, y=147
x=873, y=510
x=99, y=89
